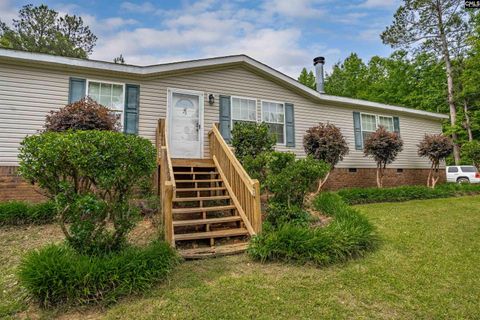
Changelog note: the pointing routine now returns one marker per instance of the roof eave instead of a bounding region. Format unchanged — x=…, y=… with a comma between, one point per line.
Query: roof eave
x=206, y=63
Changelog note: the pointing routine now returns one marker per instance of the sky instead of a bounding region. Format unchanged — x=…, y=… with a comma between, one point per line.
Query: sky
x=284, y=34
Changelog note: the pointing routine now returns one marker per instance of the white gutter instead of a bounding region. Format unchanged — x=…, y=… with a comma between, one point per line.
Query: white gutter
x=218, y=61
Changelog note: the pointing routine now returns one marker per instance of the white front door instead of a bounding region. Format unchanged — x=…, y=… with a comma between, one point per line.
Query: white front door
x=185, y=114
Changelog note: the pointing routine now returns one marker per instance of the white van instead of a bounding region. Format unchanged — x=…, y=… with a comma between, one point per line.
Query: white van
x=463, y=174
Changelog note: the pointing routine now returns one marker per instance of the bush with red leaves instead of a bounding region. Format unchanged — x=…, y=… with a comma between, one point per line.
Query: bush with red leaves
x=325, y=142
x=85, y=114
x=435, y=147
x=383, y=146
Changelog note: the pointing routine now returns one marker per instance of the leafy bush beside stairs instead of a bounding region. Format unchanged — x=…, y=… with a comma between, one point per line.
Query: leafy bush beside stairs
x=372, y=195
x=57, y=274
x=349, y=234
x=21, y=212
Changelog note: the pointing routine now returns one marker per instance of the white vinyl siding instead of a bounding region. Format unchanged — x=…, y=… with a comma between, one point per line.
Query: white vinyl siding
x=29, y=92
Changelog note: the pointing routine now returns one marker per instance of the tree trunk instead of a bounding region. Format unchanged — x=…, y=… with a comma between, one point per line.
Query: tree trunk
x=430, y=175
x=467, y=121
x=321, y=183
x=379, y=176
x=448, y=69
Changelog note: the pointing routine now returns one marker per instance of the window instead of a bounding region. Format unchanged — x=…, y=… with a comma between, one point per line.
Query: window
x=273, y=114
x=468, y=169
x=243, y=110
x=110, y=95
x=386, y=122
x=352, y=170
x=453, y=169
x=371, y=122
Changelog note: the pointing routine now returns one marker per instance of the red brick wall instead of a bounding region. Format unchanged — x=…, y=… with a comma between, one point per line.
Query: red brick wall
x=13, y=187
x=343, y=178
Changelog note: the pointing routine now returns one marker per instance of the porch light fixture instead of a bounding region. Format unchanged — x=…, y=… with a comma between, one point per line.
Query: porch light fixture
x=211, y=99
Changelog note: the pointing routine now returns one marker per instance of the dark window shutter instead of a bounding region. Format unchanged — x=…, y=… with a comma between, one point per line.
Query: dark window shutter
x=225, y=117
x=357, y=126
x=396, y=125
x=132, y=102
x=76, y=90
x=289, y=125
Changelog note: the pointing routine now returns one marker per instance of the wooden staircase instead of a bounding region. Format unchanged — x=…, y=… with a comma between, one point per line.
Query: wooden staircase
x=209, y=207
x=204, y=216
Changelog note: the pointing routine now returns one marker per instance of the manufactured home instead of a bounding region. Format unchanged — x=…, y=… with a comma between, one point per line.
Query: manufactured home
x=188, y=109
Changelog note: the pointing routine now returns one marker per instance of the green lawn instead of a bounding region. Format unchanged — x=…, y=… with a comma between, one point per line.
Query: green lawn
x=427, y=266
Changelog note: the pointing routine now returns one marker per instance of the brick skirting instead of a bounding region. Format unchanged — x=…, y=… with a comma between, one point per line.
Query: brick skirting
x=348, y=178
x=13, y=187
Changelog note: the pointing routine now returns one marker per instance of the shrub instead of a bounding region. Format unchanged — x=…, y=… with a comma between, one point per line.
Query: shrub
x=20, y=212
x=278, y=161
x=251, y=139
x=471, y=153
x=280, y=213
x=405, y=193
x=325, y=142
x=383, y=146
x=348, y=235
x=85, y=114
x=91, y=176
x=435, y=147
x=267, y=163
x=56, y=274
x=292, y=183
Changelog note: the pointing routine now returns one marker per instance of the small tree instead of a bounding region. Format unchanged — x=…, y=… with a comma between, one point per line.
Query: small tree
x=435, y=147
x=383, y=146
x=471, y=151
x=251, y=139
x=325, y=142
x=85, y=114
x=91, y=176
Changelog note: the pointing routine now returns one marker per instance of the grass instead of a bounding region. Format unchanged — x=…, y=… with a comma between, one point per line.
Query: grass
x=426, y=268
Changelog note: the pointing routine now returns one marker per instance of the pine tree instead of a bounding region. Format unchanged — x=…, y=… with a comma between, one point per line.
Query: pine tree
x=437, y=26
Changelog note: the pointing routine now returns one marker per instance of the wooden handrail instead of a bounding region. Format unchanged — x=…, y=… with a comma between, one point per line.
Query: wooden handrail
x=245, y=189
x=166, y=185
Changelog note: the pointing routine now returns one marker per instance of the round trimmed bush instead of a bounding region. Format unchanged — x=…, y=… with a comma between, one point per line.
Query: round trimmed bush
x=91, y=176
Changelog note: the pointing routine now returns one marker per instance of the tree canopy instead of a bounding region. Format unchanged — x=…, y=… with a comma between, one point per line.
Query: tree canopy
x=41, y=29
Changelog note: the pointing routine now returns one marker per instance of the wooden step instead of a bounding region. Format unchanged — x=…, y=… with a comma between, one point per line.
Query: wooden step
x=200, y=189
x=203, y=209
x=187, y=199
x=211, y=234
x=206, y=252
x=193, y=163
x=200, y=180
x=194, y=222
x=196, y=172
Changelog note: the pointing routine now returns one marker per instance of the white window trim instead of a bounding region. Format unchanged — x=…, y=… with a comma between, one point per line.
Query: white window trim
x=122, y=116
x=377, y=116
x=231, y=110
x=284, y=144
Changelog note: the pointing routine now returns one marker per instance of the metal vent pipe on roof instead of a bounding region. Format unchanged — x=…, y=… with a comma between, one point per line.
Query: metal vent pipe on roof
x=318, y=63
